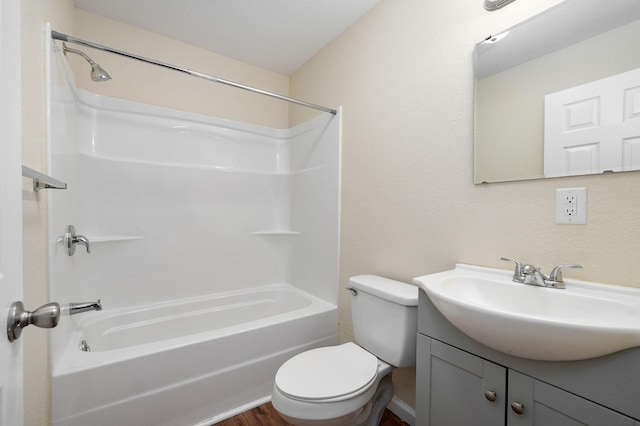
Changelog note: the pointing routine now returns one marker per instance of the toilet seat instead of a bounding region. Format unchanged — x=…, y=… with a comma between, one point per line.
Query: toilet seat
x=328, y=374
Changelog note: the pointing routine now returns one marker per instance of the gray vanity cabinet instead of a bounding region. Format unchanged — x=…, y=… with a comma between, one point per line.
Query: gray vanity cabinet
x=545, y=405
x=457, y=388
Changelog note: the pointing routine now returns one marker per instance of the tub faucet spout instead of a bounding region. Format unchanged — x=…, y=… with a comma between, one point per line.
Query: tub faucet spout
x=76, y=308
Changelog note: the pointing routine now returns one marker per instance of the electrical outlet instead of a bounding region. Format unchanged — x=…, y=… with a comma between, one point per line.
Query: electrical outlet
x=571, y=206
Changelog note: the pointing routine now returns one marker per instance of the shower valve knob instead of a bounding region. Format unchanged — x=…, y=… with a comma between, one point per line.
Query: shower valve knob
x=70, y=239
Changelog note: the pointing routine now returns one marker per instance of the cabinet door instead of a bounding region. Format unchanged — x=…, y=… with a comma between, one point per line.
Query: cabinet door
x=457, y=388
x=540, y=404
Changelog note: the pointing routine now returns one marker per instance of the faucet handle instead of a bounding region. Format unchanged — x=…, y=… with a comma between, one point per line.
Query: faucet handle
x=70, y=239
x=518, y=275
x=83, y=241
x=556, y=273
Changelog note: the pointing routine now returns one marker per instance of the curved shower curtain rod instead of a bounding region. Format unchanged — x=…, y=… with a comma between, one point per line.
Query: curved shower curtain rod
x=69, y=39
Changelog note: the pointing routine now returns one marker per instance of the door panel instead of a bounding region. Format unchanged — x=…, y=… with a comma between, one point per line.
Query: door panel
x=11, y=399
x=546, y=405
x=452, y=386
x=594, y=127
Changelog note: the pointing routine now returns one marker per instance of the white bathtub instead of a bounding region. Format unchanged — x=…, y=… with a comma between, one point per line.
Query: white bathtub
x=187, y=362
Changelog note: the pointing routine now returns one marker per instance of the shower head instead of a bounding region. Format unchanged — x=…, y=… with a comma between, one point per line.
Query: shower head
x=97, y=72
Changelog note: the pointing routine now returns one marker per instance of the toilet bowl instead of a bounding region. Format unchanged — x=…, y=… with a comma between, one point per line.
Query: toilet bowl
x=336, y=383
x=350, y=384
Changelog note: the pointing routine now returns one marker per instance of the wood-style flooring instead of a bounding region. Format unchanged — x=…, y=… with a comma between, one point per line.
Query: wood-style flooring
x=266, y=415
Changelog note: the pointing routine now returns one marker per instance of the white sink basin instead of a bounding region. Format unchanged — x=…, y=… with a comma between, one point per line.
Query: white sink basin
x=585, y=320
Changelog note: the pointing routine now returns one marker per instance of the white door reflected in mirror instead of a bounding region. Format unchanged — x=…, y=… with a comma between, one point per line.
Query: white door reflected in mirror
x=594, y=127
x=568, y=45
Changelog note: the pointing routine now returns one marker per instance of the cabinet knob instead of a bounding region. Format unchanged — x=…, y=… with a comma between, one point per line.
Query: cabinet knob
x=517, y=407
x=490, y=395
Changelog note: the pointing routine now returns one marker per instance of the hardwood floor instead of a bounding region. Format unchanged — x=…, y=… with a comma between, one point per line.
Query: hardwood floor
x=266, y=415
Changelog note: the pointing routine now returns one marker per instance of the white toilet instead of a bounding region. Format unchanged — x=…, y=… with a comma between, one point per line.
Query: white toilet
x=350, y=384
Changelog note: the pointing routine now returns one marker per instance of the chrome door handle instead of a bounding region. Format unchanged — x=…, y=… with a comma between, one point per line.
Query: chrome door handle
x=46, y=316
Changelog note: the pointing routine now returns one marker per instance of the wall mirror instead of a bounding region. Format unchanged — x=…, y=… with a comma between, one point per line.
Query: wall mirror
x=559, y=94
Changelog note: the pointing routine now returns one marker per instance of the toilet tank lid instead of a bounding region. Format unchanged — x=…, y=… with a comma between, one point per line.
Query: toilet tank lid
x=385, y=288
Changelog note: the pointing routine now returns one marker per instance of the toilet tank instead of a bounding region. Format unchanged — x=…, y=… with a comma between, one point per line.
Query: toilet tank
x=385, y=318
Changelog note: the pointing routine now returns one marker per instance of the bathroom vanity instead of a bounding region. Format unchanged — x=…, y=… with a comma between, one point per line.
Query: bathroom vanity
x=463, y=382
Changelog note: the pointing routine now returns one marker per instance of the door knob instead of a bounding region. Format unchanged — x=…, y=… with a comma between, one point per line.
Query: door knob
x=46, y=316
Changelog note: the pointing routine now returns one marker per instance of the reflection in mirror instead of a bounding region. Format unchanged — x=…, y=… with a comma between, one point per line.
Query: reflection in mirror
x=571, y=63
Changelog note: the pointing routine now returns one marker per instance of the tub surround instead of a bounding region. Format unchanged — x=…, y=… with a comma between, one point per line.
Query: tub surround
x=181, y=206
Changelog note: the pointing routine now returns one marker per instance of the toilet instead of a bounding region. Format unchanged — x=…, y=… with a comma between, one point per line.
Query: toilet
x=350, y=384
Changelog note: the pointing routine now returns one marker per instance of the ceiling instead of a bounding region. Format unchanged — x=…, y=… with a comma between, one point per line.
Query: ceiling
x=568, y=22
x=277, y=35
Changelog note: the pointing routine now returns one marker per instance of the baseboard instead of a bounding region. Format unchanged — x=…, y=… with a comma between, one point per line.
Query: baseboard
x=235, y=411
x=402, y=410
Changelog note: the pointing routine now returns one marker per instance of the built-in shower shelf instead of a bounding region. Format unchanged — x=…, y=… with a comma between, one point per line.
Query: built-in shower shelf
x=113, y=238
x=276, y=232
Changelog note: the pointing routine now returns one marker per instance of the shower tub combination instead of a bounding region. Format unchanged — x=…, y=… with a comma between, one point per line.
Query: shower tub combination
x=176, y=363
x=213, y=249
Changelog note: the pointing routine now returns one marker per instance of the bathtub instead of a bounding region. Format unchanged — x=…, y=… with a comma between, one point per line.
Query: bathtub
x=193, y=361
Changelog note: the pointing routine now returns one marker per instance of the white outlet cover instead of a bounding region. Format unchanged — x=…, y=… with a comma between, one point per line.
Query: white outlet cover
x=571, y=206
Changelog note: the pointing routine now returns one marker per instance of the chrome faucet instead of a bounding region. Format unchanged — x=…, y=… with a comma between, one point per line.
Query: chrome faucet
x=533, y=276
x=529, y=274
x=76, y=308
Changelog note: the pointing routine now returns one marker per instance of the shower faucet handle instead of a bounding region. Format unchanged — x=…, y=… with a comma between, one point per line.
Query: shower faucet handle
x=82, y=240
x=70, y=239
